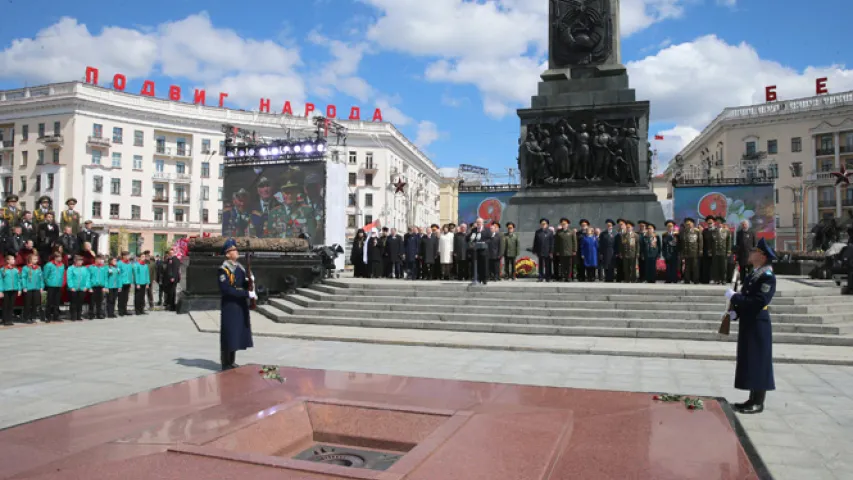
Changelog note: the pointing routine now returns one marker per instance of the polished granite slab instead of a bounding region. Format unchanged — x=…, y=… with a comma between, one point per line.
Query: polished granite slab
x=236, y=423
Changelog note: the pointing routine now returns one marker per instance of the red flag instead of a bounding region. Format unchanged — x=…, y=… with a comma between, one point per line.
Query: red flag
x=658, y=137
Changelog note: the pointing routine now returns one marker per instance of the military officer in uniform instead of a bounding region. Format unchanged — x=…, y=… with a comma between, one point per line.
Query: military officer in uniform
x=670, y=252
x=236, y=330
x=691, y=250
x=44, y=206
x=237, y=220
x=11, y=213
x=721, y=250
x=629, y=246
x=651, y=246
x=69, y=217
x=754, y=370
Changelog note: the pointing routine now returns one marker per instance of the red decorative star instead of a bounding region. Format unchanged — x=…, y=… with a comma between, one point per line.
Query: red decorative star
x=399, y=186
x=842, y=176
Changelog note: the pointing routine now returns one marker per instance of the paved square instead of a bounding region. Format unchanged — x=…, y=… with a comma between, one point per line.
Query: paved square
x=805, y=433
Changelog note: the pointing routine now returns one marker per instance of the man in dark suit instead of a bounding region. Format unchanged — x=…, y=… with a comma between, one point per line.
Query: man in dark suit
x=479, y=239
x=171, y=278
x=707, y=250
x=70, y=245
x=744, y=243
x=607, y=250
x=429, y=254
x=87, y=235
x=394, y=253
x=581, y=275
x=460, y=252
x=46, y=235
x=495, y=252
x=543, y=247
x=15, y=242
x=28, y=228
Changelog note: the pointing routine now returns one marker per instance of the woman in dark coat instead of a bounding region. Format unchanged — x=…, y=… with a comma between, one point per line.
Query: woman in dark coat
x=235, y=332
x=357, y=255
x=754, y=370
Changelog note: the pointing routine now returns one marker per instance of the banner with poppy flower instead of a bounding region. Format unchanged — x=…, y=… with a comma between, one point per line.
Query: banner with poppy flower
x=487, y=205
x=736, y=203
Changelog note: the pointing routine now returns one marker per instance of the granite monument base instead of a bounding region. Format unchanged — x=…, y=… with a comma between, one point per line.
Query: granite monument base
x=322, y=424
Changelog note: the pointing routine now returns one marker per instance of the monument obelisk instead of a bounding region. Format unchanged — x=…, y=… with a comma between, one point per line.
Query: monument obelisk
x=584, y=150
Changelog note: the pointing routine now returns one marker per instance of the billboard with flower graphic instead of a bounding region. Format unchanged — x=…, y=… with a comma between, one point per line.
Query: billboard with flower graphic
x=754, y=203
x=487, y=205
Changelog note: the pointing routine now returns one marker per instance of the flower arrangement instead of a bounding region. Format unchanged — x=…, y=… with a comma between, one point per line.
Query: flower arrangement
x=691, y=403
x=270, y=372
x=525, y=267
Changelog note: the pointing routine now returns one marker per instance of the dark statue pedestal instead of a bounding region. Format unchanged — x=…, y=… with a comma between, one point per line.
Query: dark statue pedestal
x=277, y=273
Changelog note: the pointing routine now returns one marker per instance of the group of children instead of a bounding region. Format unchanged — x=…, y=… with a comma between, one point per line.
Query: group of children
x=82, y=283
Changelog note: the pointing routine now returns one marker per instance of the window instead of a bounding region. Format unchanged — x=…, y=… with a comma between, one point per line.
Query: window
x=179, y=214
x=220, y=194
x=222, y=147
x=98, y=182
x=181, y=194
x=776, y=195
x=219, y=216
x=847, y=146
x=37, y=188
x=24, y=157
x=368, y=160
x=161, y=241
x=205, y=146
x=56, y=156
x=796, y=144
x=182, y=147
x=136, y=188
x=96, y=209
x=772, y=147
x=114, y=211
x=205, y=169
x=50, y=181
x=40, y=157
x=204, y=216
x=368, y=200
x=137, y=162
x=750, y=148
x=826, y=165
x=158, y=214
x=117, y=135
x=336, y=157
x=797, y=169
x=368, y=219
x=116, y=160
x=97, y=130
x=25, y=132
x=96, y=157
x=353, y=179
x=56, y=128
x=138, y=139
x=827, y=146
x=159, y=166
x=353, y=200
x=135, y=212
x=41, y=130
x=181, y=167
x=161, y=145
x=115, y=186
x=350, y=221
x=160, y=191
x=773, y=170
x=23, y=183
x=353, y=158
x=368, y=179
x=221, y=170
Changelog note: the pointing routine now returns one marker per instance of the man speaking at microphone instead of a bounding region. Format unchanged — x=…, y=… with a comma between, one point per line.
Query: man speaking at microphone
x=479, y=239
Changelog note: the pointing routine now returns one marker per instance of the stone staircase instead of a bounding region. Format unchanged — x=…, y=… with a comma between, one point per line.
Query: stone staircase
x=799, y=316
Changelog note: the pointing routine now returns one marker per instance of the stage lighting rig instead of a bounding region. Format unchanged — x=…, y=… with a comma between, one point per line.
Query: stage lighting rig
x=276, y=151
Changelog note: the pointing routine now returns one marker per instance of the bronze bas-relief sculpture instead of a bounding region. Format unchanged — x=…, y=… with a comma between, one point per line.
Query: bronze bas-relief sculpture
x=558, y=153
x=581, y=32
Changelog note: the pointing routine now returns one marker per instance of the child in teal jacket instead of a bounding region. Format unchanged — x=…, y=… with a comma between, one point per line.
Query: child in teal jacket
x=113, y=286
x=97, y=282
x=125, y=268
x=32, y=280
x=141, y=278
x=11, y=283
x=78, y=284
x=54, y=278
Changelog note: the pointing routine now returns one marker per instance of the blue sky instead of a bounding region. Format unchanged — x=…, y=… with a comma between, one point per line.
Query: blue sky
x=449, y=73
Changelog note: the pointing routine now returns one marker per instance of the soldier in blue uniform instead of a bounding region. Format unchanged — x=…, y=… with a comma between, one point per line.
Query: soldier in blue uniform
x=235, y=332
x=754, y=371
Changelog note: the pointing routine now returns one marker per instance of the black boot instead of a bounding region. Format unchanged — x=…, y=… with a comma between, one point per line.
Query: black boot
x=748, y=404
x=225, y=359
x=757, y=403
x=233, y=358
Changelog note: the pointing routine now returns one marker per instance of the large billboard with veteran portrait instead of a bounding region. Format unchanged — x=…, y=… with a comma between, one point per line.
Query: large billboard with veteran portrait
x=275, y=201
x=754, y=203
x=487, y=205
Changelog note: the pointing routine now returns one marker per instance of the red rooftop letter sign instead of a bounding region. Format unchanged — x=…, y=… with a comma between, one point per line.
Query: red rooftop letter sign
x=92, y=75
x=770, y=93
x=820, y=86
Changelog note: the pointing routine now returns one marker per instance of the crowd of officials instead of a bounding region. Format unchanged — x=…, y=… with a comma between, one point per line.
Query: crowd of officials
x=48, y=265
x=620, y=251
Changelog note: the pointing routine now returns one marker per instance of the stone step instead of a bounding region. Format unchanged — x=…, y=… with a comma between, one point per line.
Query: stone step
x=584, y=331
x=500, y=301
x=463, y=291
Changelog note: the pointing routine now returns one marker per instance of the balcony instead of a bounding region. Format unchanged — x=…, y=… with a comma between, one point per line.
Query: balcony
x=846, y=149
x=5, y=170
x=754, y=156
x=822, y=203
x=54, y=141
x=172, y=177
x=7, y=145
x=99, y=142
x=822, y=152
x=369, y=167
x=847, y=202
x=160, y=198
x=182, y=201
x=179, y=152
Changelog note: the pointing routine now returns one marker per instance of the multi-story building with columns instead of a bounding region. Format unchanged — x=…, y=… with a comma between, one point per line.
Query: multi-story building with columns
x=149, y=170
x=799, y=143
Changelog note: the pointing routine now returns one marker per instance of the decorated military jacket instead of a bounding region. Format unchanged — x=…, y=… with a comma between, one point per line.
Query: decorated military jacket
x=691, y=243
x=722, y=242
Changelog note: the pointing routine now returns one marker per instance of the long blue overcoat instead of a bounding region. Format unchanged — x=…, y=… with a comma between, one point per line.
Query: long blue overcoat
x=754, y=370
x=589, y=251
x=235, y=331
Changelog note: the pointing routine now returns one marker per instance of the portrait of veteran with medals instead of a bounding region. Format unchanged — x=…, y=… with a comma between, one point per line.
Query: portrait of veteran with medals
x=236, y=331
x=754, y=370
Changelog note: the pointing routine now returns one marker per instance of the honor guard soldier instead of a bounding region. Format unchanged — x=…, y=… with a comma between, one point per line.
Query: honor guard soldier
x=235, y=332
x=11, y=214
x=44, y=206
x=629, y=246
x=721, y=251
x=670, y=252
x=69, y=217
x=754, y=370
x=691, y=250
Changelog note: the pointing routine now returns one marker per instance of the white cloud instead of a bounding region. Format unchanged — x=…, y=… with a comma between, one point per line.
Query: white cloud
x=390, y=113
x=674, y=139
x=340, y=73
x=427, y=134
x=637, y=15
